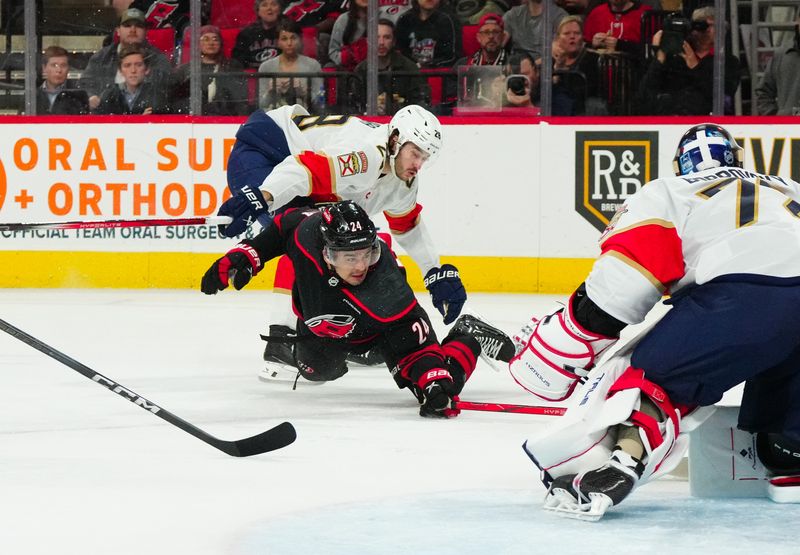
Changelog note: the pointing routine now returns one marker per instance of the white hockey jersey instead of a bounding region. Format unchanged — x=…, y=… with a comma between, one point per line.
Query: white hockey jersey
x=341, y=158
x=691, y=229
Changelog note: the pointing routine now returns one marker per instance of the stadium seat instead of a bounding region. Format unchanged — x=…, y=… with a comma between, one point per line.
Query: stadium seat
x=469, y=40
x=232, y=13
x=310, y=42
x=435, y=83
x=164, y=40
x=330, y=87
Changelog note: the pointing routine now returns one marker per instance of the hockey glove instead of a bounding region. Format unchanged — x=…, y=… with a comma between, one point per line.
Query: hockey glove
x=245, y=207
x=436, y=390
x=239, y=265
x=447, y=291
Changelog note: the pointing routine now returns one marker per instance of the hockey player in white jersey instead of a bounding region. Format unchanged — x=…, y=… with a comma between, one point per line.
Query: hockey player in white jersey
x=724, y=243
x=286, y=157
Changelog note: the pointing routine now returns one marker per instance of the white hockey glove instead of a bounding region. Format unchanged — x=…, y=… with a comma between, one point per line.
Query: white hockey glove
x=554, y=354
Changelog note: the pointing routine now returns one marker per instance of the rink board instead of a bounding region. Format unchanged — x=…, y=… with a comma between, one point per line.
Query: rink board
x=517, y=205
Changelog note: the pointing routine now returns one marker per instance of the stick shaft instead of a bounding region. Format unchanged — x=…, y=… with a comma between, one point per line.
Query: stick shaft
x=506, y=407
x=108, y=224
x=277, y=437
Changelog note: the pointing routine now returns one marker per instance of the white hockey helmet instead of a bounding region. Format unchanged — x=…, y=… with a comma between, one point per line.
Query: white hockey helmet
x=416, y=124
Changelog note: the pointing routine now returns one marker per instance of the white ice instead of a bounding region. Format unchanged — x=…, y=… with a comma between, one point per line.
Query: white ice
x=83, y=471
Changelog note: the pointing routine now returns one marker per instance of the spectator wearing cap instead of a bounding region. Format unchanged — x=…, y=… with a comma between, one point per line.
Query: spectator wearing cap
x=524, y=25
x=57, y=95
x=778, y=91
x=482, y=76
x=102, y=71
x=224, y=92
x=429, y=35
x=491, y=37
x=258, y=42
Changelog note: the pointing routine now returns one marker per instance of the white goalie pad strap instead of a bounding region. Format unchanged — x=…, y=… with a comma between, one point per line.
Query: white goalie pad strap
x=555, y=356
x=583, y=438
x=580, y=440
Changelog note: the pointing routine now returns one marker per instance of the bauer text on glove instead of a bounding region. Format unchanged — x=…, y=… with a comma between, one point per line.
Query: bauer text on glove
x=447, y=291
x=238, y=265
x=245, y=207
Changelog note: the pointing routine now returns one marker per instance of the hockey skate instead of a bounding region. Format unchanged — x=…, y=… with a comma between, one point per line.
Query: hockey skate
x=276, y=372
x=276, y=350
x=373, y=357
x=496, y=346
x=588, y=495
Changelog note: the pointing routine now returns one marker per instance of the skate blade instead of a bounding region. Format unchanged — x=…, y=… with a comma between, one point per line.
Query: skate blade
x=282, y=374
x=497, y=365
x=563, y=504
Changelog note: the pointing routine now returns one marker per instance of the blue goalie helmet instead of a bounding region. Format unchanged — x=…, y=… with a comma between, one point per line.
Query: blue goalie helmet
x=706, y=146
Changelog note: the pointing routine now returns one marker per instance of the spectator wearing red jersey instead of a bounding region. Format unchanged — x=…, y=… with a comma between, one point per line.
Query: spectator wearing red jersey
x=616, y=25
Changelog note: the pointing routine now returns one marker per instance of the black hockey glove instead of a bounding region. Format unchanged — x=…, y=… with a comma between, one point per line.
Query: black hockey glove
x=447, y=291
x=239, y=265
x=435, y=390
x=245, y=207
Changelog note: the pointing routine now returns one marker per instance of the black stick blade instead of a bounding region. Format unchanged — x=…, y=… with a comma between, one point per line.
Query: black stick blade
x=280, y=436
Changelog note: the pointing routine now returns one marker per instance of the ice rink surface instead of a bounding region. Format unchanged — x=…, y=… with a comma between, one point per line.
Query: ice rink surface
x=83, y=472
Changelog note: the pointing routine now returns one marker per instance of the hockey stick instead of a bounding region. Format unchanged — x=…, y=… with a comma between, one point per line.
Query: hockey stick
x=505, y=407
x=280, y=436
x=106, y=224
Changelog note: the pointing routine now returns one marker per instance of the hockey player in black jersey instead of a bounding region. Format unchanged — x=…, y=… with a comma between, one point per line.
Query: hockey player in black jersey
x=350, y=296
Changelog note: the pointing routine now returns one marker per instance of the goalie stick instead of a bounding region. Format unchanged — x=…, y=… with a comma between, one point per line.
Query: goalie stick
x=106, y=224
x=505, y=407
x=280, y=436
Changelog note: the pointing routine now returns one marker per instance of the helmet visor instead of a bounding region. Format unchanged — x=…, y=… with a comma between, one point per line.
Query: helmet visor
x=353, y=259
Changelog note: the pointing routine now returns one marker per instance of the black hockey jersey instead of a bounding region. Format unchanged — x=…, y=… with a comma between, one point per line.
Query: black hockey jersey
x=382, y=310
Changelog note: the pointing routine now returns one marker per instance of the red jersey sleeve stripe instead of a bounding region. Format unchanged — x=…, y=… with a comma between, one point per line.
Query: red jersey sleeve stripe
x=654, y=247
x=403, y=222
x=374, y=316
x=306, y=253
x=323, y=180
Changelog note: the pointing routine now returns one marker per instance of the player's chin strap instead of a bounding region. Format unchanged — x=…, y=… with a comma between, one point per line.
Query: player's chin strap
x=393, y=156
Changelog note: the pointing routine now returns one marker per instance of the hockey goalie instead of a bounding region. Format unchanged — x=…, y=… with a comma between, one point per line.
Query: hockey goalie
x=724, y=244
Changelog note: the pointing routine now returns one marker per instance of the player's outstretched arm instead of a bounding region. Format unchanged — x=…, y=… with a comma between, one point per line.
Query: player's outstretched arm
x=238, y=266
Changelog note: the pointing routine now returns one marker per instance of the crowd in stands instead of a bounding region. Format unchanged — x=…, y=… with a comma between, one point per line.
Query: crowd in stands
x=449, y=55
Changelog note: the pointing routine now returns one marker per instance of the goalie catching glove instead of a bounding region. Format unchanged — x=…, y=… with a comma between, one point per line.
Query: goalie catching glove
x=238, y=265
x=555, y=353
x=447, y=292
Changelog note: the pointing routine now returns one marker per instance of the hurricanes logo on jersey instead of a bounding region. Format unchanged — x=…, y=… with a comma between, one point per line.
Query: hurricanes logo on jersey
x=352, y=164
x=610, y=166
x=337, y=326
